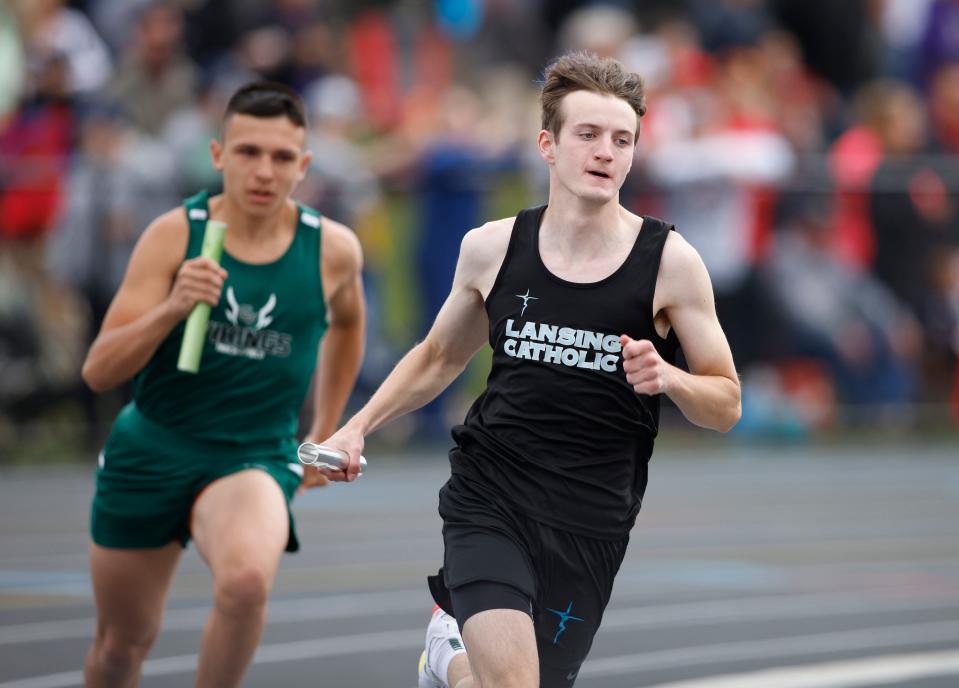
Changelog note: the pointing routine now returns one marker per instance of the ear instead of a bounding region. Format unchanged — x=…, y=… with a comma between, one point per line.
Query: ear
x=305, y=161
x=546, y=145
x=216, y=154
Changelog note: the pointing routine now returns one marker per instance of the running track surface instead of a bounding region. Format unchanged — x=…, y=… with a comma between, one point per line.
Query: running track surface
x=748, y=568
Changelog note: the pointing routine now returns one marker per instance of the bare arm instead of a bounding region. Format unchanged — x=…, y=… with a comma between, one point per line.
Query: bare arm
x=341, y=352
x=431, y=366
x=460, y=329
x=157, y=292
x=708, y=395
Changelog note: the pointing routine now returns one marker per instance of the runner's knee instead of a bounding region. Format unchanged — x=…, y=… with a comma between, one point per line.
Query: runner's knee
x=242, y=590
x=119, y=651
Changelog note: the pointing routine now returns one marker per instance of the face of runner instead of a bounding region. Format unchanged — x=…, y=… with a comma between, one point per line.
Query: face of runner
x=594, y=150
x=262, y=160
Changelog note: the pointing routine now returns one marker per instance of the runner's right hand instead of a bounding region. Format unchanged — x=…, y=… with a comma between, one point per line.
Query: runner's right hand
x=198, y=280
x=351, y=442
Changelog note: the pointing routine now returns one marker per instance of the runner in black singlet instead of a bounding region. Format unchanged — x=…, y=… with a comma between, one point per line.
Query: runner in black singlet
x=584, y=305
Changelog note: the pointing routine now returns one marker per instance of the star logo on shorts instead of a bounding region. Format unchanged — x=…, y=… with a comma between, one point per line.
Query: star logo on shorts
x=563, y=618
x=526, y=299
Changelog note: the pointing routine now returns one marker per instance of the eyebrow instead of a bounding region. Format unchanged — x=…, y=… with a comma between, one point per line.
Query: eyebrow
x=257, y=147
x=590, y=125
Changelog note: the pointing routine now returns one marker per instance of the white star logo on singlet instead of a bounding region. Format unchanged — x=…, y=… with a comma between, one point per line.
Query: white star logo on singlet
x=526, y=298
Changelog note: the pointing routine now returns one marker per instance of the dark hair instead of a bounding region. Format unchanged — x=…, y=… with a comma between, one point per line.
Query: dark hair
x=267, y=99
x=584, y=71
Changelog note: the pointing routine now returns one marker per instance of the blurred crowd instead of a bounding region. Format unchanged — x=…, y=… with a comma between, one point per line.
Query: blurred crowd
x=809, y=149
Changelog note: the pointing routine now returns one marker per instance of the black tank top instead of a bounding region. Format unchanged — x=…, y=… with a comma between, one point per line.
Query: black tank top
x=558, y=434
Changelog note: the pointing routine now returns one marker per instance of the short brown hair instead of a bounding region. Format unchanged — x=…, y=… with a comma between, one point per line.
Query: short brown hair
x=584, y=71
x=267, y=99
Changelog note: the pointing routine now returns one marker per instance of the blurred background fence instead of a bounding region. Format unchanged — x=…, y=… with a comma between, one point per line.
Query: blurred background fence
x=807, y=148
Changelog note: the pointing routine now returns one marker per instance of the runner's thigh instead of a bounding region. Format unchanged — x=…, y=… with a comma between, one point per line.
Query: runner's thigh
x=130, y=588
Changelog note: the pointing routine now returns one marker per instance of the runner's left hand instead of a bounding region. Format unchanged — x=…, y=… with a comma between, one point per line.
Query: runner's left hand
x=645, y=369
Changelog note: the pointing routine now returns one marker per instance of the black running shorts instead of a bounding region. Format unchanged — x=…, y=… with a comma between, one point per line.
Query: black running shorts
x=568, y=578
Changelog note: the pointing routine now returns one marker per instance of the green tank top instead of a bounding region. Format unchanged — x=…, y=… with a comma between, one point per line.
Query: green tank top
x=260, y=349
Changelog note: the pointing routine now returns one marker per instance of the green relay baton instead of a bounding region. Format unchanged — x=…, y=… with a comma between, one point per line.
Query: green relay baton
x=195, y=333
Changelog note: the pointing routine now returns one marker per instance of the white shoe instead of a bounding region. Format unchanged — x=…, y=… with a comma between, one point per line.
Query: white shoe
x=443, y=642
x=426, y=677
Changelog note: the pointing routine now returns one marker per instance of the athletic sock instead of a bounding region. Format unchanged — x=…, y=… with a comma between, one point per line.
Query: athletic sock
x=443, y=642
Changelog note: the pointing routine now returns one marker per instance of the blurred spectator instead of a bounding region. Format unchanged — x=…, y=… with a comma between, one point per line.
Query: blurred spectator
x=119, y=180
x=909, y=205
x=420, y=116
x=155, y=77
x=312, y=56
x=868, y=341
x=97, y=212
x=888, y=122
x=341, y=183
x=718, y=164
x=944, y=108
x=288, y=42
x=187, y=135
x=43, y=335
x=34, y=148
x=212, y=28
x=837, y=38
x=916, y=221
x=902, y=23
x=115, y=21
x=601, y=28
x=804, y=105
x=452, y=177
x=460, y=19
x=11, y=63
x=373, y=55
x=50, y=28
x=726, y=24
x=511, y=34
x=940, y=40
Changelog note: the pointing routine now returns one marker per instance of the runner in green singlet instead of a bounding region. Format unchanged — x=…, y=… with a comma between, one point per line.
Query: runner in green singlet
x=206, y=456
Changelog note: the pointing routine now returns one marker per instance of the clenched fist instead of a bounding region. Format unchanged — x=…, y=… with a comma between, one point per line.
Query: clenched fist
x=350, y=442
x=198, y=279
x=645, y=369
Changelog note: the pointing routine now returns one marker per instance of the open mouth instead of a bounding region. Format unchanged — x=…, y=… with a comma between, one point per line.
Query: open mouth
x=597, y=173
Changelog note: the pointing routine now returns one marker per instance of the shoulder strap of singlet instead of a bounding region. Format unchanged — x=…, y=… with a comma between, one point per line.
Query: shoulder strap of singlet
x=647, y=255
x=651, y=240
x=309, y=230
x=310, y=217
x=197, y=213
x=309, y=226
x=522, y=233
x=526, y=227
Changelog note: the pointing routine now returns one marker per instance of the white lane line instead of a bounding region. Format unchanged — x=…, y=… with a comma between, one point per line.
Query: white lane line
x=870, y=671
x=412, y=638
x=267, y=654
x=279, y=611
x=375, y=604
x=792, y=646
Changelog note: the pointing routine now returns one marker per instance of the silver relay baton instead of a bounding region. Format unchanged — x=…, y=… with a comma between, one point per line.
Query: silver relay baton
x=321, y=456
